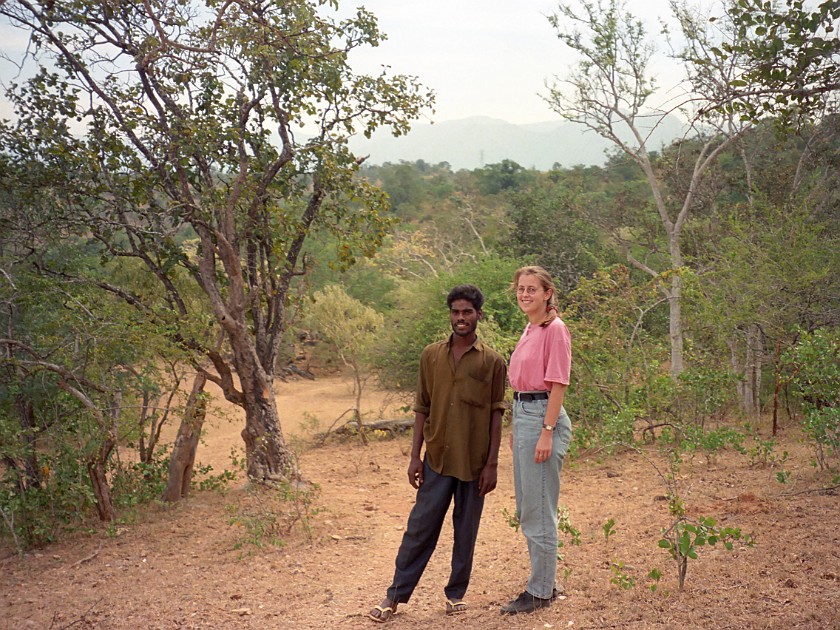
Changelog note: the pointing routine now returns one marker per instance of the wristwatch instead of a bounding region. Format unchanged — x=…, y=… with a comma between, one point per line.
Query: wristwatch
x=548, y=427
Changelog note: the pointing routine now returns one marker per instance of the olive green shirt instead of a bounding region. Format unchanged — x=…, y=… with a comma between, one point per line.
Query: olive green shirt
x=459, y=405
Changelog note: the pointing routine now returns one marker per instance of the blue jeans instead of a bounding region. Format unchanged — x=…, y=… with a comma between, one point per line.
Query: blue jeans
x=538, y=489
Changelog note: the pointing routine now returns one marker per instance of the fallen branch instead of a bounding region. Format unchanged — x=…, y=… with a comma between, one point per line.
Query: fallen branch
x=349, y=427
x=81, y=620
x=394, y=426
x=826, y=490
x=87, y=558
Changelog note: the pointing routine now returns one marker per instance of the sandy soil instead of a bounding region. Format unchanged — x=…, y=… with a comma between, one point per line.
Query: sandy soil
x=185, y=566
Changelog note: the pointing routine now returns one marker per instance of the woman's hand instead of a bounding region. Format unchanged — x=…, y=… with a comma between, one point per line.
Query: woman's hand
x=543, y=450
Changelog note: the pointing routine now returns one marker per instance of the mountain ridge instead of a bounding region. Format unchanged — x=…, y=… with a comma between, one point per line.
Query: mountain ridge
x=476, y=141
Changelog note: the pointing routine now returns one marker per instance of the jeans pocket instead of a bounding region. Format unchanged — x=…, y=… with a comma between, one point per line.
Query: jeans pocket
x=533, y=408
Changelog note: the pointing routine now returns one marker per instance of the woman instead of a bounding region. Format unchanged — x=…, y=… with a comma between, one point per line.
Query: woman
x=539, y=374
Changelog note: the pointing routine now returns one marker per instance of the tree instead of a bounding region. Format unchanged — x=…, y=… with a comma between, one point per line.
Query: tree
x=182, y=459
x=608, y=93
x=772, y=278
x=351, y=329
x=192, y=160
x=790, y=58
x=75, y=379
x=545, y=229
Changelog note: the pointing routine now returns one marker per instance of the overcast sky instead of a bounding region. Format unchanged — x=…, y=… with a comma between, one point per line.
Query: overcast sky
x=481, y=57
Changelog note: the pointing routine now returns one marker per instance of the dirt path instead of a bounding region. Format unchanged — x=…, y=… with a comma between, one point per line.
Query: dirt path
x=179, y=567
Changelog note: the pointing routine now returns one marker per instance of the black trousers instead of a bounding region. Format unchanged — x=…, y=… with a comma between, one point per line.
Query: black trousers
x=423, y=530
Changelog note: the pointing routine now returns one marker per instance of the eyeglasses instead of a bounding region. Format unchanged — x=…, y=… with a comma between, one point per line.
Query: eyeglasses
x=528, y=290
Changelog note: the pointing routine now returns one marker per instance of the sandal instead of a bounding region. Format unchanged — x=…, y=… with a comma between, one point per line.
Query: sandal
x=455, y=608
x=385, y=613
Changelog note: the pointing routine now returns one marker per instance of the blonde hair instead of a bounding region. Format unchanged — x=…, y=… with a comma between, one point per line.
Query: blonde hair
x=547, y=284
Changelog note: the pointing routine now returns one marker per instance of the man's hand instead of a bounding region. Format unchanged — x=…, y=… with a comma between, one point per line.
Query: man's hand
x=415, y=472
x=487, y=479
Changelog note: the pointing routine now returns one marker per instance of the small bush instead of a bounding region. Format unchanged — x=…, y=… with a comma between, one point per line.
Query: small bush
x=269, y=514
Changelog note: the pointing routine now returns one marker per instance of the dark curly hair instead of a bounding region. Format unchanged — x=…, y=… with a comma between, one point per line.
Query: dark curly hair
x=468, y=292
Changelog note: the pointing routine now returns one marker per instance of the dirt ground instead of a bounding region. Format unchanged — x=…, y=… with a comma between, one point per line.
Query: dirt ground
x=179, y=566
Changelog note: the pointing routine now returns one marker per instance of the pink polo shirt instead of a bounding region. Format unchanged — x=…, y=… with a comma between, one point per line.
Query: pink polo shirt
x=542, y=356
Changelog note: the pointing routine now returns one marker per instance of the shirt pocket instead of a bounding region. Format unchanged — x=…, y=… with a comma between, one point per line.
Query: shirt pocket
x=476, y=390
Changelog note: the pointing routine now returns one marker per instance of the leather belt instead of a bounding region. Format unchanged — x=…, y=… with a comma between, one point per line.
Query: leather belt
x=526, y=396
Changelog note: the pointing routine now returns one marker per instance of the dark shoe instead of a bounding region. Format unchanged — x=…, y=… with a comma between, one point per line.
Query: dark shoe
x=527, y=603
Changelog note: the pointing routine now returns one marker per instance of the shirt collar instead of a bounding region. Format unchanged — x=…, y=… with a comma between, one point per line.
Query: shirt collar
x=475, y=344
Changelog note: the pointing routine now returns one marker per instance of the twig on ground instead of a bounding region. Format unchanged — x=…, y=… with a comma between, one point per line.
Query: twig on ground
x=81, y=619
x=87, y=558
x=825, y=490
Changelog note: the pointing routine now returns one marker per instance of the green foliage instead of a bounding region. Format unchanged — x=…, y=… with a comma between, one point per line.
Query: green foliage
x=772, y=266
x=219, y=482
x=212, y=176
x=512, y=519
x=823, y=426
x=705, y=393
x=565, y=528
x=763, y=452
x=350, y=327
x=609, y=529
x=686, y=536
x=547, y=231
x=789, y=55
x=139, y=483
x=34, y=516
x=655, y=575
x=618, y=379
x=267, y=515
x=506, y=176
x=684, y=438
x=813, y=366
x=414, y=188
x=620, y=578
x=79, y=369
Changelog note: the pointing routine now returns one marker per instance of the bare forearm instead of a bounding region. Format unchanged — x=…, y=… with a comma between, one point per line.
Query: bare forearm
x=417, y=440
x=555, y=403
x=495, y=437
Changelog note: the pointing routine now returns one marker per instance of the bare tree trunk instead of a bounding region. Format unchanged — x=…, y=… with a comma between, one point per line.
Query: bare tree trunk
x=267, y=456
x=755, y=354
x=675, y=327
x=96, y=462
x=737, y=368
x=357, y=374
x=777, y=380
x=98, y=476
x=26, y=413
x=749, y=385
x=748, y=400
x=182, y=460
x=101, y=487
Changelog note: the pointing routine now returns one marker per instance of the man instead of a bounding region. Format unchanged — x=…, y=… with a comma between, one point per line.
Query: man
x=458, y=414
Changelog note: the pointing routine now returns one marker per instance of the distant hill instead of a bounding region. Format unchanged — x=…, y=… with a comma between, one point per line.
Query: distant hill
x=474, y=142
